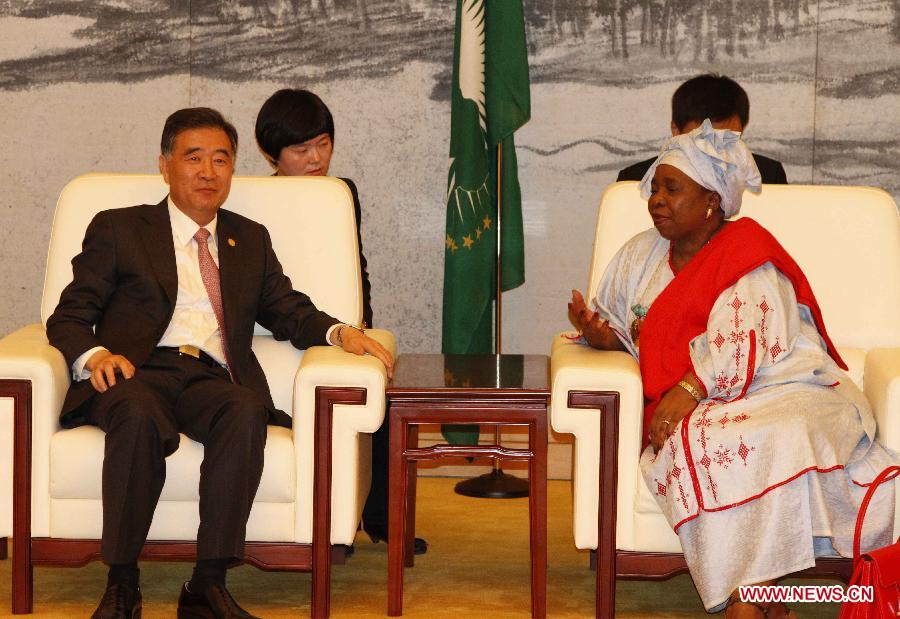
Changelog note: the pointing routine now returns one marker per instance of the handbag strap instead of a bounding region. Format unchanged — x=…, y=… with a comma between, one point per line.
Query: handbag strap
x=886, y=475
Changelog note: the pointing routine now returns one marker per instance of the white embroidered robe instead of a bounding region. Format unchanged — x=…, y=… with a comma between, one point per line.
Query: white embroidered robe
x=764, y=475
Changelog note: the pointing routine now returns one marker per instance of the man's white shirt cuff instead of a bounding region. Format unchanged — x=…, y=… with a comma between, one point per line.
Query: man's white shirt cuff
x=330, y=331
x=79, y=372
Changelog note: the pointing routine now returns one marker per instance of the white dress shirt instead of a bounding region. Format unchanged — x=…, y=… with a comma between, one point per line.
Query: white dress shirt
x=193, y=320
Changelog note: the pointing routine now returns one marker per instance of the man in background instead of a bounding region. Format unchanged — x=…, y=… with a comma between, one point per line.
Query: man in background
x=726, y=105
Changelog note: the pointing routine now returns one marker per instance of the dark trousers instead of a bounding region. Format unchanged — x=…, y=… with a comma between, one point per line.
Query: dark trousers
x=142, y=418
x=375, y=511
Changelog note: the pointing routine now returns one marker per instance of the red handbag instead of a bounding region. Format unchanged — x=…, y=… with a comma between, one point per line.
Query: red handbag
x=879, y=569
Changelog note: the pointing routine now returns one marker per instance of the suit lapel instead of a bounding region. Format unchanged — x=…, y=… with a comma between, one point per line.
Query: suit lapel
x=229, y=242
x=158, y=244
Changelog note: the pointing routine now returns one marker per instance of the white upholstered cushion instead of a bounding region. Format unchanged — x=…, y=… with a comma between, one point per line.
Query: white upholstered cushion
x=76, y=461
x=173, y=520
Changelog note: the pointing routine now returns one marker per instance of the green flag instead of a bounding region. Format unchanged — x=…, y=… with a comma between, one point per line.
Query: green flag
x=490, y=100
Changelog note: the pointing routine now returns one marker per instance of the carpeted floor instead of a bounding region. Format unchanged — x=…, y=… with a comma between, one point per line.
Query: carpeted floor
x=477, y=566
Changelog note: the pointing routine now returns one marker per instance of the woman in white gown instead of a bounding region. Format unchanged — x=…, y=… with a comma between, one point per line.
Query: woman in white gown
x=758, y=445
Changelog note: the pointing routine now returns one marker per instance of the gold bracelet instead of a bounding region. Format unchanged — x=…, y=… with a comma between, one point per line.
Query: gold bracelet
x=695, y=393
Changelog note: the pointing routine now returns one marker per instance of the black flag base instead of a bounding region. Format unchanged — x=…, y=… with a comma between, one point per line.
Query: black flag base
x=494, y=485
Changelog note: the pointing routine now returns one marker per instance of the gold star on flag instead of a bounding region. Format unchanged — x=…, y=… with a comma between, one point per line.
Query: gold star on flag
x=453, y=246
x=478, y=234
x=467, y=241
x=487, y=222
x=449, y=242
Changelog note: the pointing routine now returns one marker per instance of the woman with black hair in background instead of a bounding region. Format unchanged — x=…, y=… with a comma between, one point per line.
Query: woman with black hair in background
x=295, y=131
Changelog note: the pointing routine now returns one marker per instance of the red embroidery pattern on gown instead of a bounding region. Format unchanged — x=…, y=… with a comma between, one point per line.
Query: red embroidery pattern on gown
x=776, y=349
x=765, y=309
x=724, y=456
x=719, y=341
x=737, y=337
x=721, y=382
x=673, y=474
x=743, y=450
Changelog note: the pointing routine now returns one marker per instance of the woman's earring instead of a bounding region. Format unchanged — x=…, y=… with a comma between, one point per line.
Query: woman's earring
x=709, y=212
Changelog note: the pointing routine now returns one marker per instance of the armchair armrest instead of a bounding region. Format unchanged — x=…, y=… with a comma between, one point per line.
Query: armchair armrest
x=26, y=355
x=329, y=366
x=385, y=338
x=574, y=366
x=882, y=389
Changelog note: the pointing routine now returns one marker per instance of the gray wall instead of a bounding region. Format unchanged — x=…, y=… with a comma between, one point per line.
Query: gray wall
x=85, y=87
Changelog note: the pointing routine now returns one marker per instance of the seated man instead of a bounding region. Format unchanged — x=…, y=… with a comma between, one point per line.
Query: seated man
x=174, y=304
x=725, y=104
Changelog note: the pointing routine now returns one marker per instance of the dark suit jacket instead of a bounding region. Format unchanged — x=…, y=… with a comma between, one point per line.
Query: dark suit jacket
x=772, y=171
x=125, y=283
x=363, y=265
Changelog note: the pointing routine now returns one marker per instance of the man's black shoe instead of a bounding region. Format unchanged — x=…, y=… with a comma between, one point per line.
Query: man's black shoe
x=378, y=533
x=214, y=603
x=119, y=602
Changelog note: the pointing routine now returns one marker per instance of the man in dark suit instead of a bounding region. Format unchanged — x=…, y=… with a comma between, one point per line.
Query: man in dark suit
x=157, y=325
x=727, y=106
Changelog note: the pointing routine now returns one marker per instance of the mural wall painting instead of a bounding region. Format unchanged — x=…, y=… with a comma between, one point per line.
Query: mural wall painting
x=86, y=86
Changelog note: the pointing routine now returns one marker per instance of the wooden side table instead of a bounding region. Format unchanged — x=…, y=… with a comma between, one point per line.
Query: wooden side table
x=466, y=389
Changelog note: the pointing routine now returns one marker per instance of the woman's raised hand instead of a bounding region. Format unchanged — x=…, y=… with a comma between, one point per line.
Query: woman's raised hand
x=579, y=314
x=597, y=332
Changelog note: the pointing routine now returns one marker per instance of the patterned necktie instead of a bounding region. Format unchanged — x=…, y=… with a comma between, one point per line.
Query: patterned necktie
x=209, y=272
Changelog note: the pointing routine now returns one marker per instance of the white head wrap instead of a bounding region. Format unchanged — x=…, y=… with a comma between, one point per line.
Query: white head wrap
x=717, y=159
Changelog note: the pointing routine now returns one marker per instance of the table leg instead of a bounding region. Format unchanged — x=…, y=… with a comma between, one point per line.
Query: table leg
x=396, y=514
x=537, y=499
x=409, y=534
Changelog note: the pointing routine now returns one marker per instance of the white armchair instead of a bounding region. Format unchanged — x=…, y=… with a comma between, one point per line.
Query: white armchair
x=847, y=240
x=316, y=475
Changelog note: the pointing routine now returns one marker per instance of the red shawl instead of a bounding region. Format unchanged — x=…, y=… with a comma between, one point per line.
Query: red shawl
x=681, y=311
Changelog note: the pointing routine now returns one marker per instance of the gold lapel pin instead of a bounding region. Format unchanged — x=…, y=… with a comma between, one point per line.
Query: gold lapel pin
x=231, y=242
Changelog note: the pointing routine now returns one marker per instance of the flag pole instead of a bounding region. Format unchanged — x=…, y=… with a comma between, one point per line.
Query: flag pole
x=498, y=305
x=496, y=484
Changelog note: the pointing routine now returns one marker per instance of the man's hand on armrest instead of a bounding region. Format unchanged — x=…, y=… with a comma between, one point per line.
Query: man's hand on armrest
x=357, y=342
x=103, y=366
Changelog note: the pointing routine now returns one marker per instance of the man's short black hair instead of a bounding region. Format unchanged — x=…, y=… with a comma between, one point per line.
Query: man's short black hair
x=711, y=96
x=195, y=118
x=291, y=116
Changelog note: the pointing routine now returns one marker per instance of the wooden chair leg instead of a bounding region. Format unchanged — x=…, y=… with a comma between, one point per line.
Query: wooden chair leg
x=22, y=572
x=326, y=398
x=537, y=497
x=409, y=534
x=397, y=499
x=606, y=534
x=608, y=404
